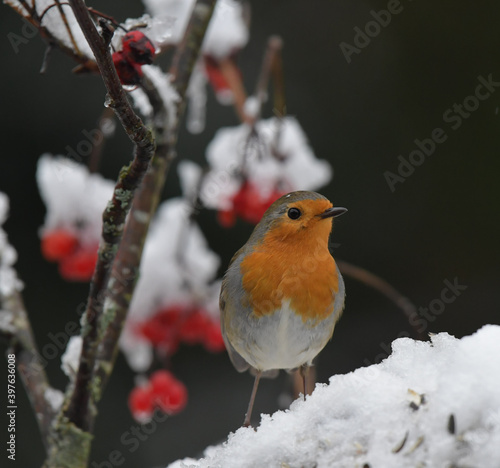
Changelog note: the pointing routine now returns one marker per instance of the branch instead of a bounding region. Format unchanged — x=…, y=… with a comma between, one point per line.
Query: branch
x=272, y=55
x=78, y=410
x=126, y=266
x=383, y=287
x=29, y=13
x=28, y=360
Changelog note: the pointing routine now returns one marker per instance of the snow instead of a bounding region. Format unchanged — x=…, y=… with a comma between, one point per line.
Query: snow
x=75, y=199
x=71, y=357
x=9, y=282
x=55, y=398
x=189, y=176
x=226, y=33
x=158, y=29
x=376, y=416
x=141, y=102
x=163, y=84
x=197, y=97
x=300, y=170
x=177, y=267
x=52, y=20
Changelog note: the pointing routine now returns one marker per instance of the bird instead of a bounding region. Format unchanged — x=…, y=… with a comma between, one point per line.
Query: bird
x=282, y=293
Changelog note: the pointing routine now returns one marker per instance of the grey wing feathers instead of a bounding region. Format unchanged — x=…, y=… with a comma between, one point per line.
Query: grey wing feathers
x=238, y=362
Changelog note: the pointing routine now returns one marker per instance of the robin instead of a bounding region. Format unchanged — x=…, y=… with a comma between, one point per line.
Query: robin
x=282, y=293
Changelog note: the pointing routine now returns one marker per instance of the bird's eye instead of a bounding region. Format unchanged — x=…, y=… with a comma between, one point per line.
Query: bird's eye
x=294, y=213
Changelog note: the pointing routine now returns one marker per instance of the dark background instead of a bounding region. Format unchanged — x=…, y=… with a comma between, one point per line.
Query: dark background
x=440, y=224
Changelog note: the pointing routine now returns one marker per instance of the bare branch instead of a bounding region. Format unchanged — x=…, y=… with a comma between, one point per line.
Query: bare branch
x=383, y=287
x=126, y=266
x=28, y=361
x=78, y=411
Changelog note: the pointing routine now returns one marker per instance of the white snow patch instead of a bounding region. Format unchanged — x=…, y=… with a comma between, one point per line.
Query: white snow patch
x=75, y=199
x=226, y=33
x=141, y=102
x=9, y=282
x=231, y=148
x=362, y=418
x=53, y=21
x=54, y=397
x=197, y=97
x=158, y=29
x=189, y=175
x=163, y=84
x=71, y=357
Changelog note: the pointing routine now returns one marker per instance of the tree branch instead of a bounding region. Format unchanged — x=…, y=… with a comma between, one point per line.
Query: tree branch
x=126, y=266
x=28, y=361
x=383, y=287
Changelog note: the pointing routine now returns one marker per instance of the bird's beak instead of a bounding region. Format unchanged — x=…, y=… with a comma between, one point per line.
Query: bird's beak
x=332, y=212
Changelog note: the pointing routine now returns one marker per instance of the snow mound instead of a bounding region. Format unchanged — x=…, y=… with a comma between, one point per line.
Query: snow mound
x=429, y=404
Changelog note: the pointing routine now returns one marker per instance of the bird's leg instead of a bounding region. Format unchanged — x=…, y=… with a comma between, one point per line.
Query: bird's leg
x=303, y=372
x=246, y=423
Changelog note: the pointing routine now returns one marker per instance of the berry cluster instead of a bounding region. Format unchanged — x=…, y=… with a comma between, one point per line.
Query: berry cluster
x=76, y=261
x=162, y=391
x=137, y=50
x=248, y=204
x=177, y=324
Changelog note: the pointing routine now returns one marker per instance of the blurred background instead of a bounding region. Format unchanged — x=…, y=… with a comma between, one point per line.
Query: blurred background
x=441, y=223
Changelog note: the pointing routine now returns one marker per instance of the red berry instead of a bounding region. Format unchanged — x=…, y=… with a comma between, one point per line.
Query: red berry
x=240, y=199
x=175, y=400
x=170, y=316
x=161, y=382
x=129, y=72
x=213, y=340
x=152, y=332
x=194, y=327
x=80, y=265
x=138, y=48
x=214, y=74
x=58, y=244
x=140, y=401
x=226, y=218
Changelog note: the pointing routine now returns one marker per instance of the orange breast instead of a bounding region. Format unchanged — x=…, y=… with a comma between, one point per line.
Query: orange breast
x=299, y=268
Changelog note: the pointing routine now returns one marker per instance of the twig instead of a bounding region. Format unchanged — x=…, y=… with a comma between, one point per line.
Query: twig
x=105, y=126
x=233, y=77
x=274, y=46
x=30, y=14
x=126, y=266
x=383, y=287
x=78, y=410
x=66, y=25
x=29, y=363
